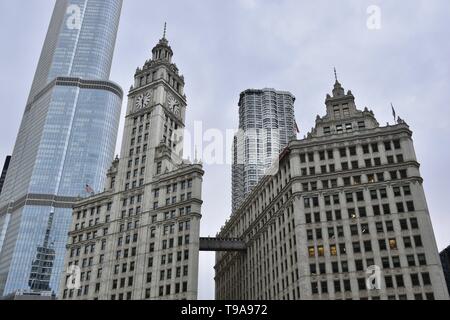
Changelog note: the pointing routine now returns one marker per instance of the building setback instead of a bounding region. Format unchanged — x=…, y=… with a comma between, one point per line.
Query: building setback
x=4, y=172
x=346, y=198
x=139, y=239
x=66, y=140
x=266, y=124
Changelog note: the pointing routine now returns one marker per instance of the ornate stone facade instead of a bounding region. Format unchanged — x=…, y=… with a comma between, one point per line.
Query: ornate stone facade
x=347, y=199
x=140, y=238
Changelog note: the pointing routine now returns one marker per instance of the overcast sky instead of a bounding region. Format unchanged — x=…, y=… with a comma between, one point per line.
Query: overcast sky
x=225, y=47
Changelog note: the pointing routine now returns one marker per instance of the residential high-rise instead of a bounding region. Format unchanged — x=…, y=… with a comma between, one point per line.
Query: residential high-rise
x=140, y=238
x=4, y=171
x=66, y=143
x=345, y=217
x=266, y=124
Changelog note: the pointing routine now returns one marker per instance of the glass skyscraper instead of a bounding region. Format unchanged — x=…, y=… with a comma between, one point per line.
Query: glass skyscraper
x=65, y=143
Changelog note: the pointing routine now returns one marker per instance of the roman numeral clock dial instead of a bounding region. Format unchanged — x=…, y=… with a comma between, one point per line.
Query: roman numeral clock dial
x=173, y=105
x=143, y=100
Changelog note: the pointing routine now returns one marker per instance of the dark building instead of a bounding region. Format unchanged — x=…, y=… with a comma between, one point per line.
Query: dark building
x=4, y=171
x=445, y=259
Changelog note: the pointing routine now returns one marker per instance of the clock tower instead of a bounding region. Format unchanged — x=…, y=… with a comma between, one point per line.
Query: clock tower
x=150, y=210
x=157, y=100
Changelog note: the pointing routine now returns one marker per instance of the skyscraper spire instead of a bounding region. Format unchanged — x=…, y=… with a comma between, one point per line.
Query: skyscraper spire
x=335, y=74
x=165, y=29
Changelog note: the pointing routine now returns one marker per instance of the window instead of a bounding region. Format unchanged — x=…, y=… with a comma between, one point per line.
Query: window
x=415, y=280
x=330, y=154
x=388, y=281
x=389, y=226
x=373, y=194
x=365, y=229
x=340, y=231
x=368, y=246
x=387, y=145
x=414, y=223
x=385, y=262
x=411, y=260
x=337, y=286
x=362, y=284
x=324, y=287
x=382, y=244
x=399, y=280
x=379, y=226
x=426, y=279
x=362, y=212
x=347, y=286
x=314, y=288
x=313, y=269
x=356, y=247
x=349, y=197
x=308, y=218
x=376, y=210
x=422, y=259
x=354, y=230
x=403, y=174
x=418, y=241
x=335, y=267
x=333, y=250
x=396, y=262
x=320, y=251
x=407, y=242
x=348, y=127
x=406, y=190
x=404, y=224
x=393, y=244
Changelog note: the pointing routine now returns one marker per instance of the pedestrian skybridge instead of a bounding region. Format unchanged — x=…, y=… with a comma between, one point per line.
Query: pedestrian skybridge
x=220, y=244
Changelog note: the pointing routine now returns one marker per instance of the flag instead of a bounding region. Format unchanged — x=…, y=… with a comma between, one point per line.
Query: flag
x=89, y=189
x=393, y=112
x=296, y=127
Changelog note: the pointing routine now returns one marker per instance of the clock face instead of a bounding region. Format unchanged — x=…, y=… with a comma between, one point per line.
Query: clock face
x=171, y=101
x=177, y=110
x=173, y=105
x=143, y=100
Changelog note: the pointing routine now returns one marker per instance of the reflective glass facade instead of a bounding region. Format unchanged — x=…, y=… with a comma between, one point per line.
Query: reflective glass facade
x=66, y=141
